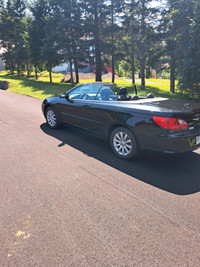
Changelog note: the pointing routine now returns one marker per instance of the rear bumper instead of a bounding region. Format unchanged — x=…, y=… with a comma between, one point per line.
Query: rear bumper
x=177, y=143
x=155, y=138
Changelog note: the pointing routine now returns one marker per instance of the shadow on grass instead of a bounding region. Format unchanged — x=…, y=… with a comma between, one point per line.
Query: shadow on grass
x=45, y=88
x=177, y=174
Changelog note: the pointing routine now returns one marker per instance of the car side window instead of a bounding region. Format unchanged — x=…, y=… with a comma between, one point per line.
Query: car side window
x=106, y=94
x=85, y=92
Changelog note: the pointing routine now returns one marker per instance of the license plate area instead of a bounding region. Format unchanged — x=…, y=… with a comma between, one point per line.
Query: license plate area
x=198, y=140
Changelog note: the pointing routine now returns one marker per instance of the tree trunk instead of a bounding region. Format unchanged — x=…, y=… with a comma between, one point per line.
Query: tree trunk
x=50, y=73
x=97, y=44
x=172, y=75
x=11, y=68
x=142, y=71
x=71, y=73
x=112, y=36
x=76, y=70
x=71, y=49
x=18, y=70
x=75, y=62
x=113, y=67
x=36, y=74
x=28, y=71
x=11, y=56
x=132, y=54
x=133, y=69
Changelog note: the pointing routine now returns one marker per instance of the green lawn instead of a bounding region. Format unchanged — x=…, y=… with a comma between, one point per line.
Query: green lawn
x=42, y=88
x=165, y=81
x=38, y=89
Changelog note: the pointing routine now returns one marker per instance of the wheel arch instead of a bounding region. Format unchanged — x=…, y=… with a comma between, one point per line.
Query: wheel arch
x=46, y=107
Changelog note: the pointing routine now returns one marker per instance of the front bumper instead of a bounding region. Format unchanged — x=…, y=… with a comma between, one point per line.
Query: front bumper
x=43, y=106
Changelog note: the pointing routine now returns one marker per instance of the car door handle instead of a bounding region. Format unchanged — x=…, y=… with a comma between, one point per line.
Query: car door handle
x=86, y=105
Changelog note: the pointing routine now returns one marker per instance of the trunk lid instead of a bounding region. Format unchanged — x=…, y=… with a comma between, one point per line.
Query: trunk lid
x=188, y=111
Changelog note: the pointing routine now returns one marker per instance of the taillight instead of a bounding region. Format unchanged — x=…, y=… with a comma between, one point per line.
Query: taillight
x=171, y=123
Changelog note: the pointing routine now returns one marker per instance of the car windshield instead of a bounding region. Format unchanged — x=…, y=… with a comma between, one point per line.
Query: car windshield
x=85, y=92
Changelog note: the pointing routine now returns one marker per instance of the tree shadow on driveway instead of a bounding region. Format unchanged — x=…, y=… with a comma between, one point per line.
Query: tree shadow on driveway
x=177, y=174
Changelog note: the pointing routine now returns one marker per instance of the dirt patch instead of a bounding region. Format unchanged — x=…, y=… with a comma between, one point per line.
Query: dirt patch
x=89, y=76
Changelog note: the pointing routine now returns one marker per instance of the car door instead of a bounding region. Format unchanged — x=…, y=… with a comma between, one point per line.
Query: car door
x=77, y=107
x=104, y=110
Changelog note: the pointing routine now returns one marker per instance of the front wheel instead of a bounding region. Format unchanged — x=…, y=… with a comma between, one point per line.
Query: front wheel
x=51, y=118
x=123, y=143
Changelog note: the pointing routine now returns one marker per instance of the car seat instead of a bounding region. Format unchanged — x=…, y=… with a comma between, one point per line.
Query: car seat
x=150, y=95
x=106, y=93
x=135, y=97
x=123, y=94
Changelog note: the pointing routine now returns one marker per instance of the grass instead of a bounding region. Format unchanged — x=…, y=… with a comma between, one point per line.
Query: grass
x=163, y=81
x=42, y=88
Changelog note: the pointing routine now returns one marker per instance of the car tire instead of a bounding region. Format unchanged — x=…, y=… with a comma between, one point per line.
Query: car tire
x=51, y=118
x=123, y=143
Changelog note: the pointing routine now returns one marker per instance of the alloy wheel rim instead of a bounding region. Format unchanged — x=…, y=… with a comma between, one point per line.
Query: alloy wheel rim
x=51, y=118
x=122, y=143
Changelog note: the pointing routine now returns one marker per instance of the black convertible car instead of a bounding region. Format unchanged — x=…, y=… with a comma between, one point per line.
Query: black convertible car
x=130, y=124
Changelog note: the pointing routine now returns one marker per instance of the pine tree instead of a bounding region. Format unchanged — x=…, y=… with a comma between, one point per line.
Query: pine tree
x=188, y=38
x=171, y=31
x=6, y=32
x=50, y=48
x=36, y=32
x=111, y=28
x=19, y=31
x=147, y=18
x=95, y=14
x=180, y=20
x=68, y=25
x=131, y=35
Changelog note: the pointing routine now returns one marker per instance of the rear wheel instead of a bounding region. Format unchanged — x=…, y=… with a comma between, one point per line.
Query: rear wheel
x=51, y=118
x=123, y=143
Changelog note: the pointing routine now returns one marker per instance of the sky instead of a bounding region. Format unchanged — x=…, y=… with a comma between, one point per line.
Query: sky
x=158, y=3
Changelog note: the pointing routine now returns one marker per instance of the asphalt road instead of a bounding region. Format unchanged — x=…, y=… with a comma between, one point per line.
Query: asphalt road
x=66, y=200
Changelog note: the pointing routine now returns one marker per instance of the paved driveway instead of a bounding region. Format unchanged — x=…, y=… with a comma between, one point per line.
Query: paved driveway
x=66, y=200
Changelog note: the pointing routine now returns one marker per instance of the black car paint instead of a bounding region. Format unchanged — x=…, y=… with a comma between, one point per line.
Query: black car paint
x=101, y=117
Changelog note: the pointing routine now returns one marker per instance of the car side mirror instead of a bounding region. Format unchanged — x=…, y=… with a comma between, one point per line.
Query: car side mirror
x=68, y=99
x=62, y=96
x=66, y=96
